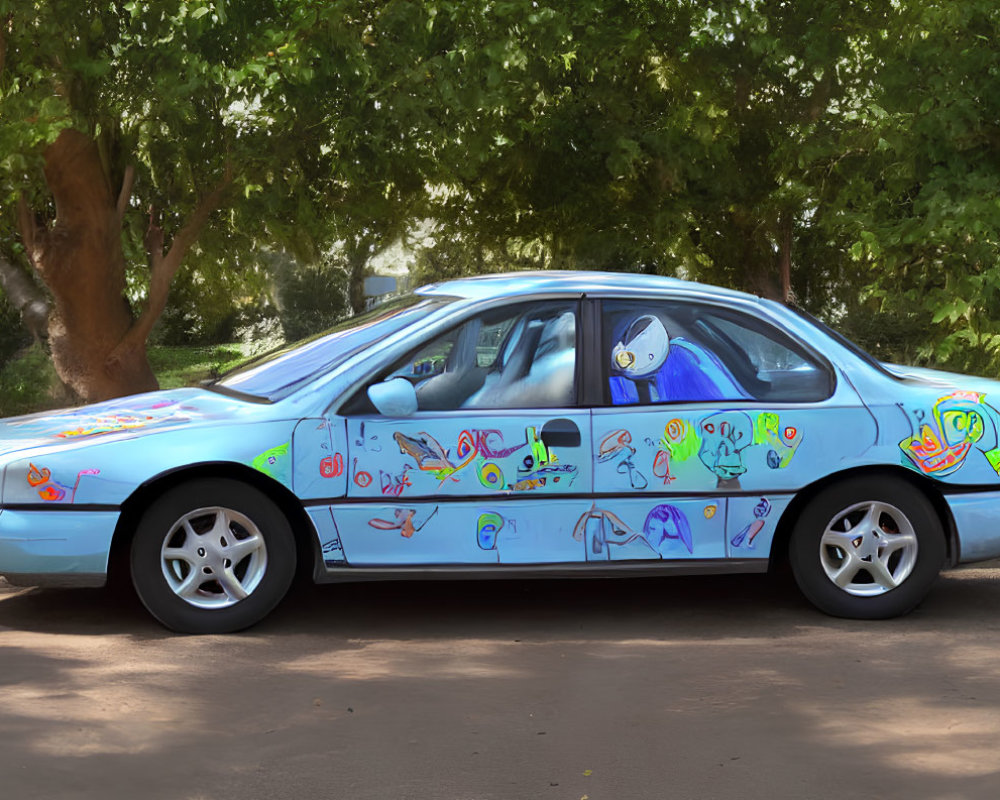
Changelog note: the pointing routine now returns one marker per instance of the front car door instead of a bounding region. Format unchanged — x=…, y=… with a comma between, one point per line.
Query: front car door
x=494, y=461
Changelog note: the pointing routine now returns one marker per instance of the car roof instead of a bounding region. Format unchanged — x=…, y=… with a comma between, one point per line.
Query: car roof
x=485, y=287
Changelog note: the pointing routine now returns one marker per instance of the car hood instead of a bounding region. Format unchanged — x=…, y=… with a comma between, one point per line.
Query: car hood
x=124, y=417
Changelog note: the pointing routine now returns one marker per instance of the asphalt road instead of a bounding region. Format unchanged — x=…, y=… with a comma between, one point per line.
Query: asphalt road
x=657, y=688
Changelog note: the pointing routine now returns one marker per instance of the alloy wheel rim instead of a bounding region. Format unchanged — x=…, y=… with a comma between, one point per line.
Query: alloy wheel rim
x=868, y=549
x=213, y=557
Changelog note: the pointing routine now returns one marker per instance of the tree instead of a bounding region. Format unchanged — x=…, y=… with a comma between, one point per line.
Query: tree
x=915, y=189
x=282, y=122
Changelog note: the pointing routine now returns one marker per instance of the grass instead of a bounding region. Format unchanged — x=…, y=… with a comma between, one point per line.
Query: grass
x=28, y=382
x=188, y=366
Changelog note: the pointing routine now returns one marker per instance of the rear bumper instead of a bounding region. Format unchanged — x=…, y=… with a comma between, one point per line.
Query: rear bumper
x=977, y=522
x=57, y=547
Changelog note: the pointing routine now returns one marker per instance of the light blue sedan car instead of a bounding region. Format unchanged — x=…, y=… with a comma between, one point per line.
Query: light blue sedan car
x=554, y=423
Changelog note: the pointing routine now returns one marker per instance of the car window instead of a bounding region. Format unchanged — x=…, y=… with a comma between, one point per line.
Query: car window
x=675, y=352
x=517, y=357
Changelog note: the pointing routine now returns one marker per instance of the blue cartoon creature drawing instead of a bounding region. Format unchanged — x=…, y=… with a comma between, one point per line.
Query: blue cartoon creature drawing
x=650, y=367
x=724, y=436
x=666, y=527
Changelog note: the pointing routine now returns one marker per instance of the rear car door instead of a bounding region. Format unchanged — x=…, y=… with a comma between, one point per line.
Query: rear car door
x=713, y=417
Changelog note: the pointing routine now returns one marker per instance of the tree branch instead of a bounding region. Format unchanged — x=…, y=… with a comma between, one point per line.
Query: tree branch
x=31, y=233
x=153, y=240
x=163, y=266
x=126, y=192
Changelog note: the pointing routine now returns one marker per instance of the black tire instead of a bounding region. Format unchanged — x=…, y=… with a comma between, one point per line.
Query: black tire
x=196, y=583
x=879, y=537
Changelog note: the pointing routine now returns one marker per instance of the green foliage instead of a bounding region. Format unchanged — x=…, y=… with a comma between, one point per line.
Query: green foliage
x=13, y=337
x=211, y=301
x=913, y=191
x=697, y=139
x=311, y=297
x=28, y=382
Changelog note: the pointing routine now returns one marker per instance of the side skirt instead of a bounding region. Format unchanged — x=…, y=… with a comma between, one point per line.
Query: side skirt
x=633, y=569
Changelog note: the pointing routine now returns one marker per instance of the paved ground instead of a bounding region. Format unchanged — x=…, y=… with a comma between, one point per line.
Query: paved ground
x=679, y=688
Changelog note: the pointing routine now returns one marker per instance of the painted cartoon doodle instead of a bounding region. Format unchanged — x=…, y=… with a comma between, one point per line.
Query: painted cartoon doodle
x=333, y=552
x=332, y=466
x=427, y=452
x=162, y=412
x=482, y=448
x=939, y=445
x=367, y=443
x=679, y=442
x=541, y=466
x=36, y=477
x=403, y=522
x=618, y=444
x=79, y=476
x=724, y=436
x=393, y=485
x=783, y=441
x=274, y=462
x=51, y=491
x=488, y=528
x=599, y=528
x=614, y=444
x=665, y=527
x=749, y=533
x=361, y=477
x=108, y=424
x=489, y=444
x=490, y=475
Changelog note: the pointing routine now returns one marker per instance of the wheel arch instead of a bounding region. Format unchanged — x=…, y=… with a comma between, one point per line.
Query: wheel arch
x=929, y=488
x=306, y=541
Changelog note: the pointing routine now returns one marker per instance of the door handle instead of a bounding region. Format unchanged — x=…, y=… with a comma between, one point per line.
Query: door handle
x=560, y=432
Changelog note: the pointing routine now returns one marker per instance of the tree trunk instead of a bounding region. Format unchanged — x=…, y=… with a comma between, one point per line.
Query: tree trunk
x=357, y=261
x=98, y=348
x=80, y=259
x=785, y=258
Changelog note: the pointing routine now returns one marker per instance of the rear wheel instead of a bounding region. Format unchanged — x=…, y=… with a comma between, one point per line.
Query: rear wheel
x=867, y=548
x=212, y=556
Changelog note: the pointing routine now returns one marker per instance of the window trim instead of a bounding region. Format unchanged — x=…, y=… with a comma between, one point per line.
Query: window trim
x=755, y=324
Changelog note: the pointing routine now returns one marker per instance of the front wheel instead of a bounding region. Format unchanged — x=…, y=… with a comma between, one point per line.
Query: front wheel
x=212, y=556
x=867, y=548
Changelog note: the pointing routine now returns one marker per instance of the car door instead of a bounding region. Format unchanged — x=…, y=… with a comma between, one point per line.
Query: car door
x=712, y=419
x=494, y=465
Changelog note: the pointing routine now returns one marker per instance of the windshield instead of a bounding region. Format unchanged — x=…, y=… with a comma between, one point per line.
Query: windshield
x=277, y=374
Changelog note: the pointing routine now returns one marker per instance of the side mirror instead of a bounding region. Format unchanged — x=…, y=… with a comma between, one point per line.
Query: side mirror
x=395, y=397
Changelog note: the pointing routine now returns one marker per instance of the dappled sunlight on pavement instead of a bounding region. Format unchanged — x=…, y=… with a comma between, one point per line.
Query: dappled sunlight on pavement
x=708, y=687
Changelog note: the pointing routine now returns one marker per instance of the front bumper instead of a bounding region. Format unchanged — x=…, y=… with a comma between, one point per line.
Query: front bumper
x=56, y=548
